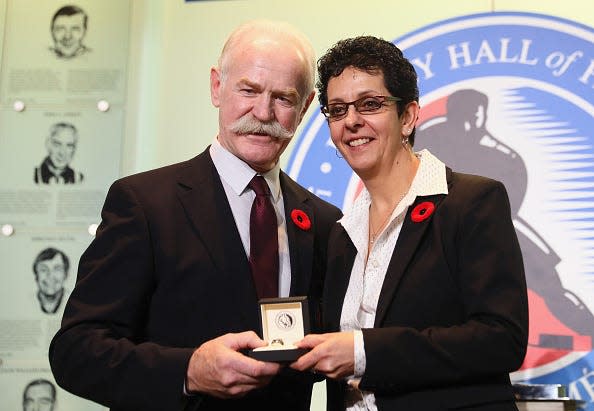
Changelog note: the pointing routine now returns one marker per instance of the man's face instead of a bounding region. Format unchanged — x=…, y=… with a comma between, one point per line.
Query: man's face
x=61, y=146
x=264, y=82
x=51, y=275
x=68, y=32
x=38, y=398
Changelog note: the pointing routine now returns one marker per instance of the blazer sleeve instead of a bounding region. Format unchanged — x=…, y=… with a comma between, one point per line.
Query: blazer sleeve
x=470, y=252
x=100, y=343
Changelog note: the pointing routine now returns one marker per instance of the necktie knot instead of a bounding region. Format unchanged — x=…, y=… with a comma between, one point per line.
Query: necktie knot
x=258, y=184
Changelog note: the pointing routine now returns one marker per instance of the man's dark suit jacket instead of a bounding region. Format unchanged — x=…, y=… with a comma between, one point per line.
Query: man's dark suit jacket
x=452, y=316
x=166, y=272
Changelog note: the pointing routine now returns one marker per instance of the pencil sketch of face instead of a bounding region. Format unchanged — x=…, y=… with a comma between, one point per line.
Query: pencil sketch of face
x=51, y=269
x=61, y=144
x=68, y=28
x=51, y=273
x=39, y=395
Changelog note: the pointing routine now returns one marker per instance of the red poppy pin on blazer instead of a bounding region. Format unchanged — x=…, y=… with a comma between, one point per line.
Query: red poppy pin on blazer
x=301, y=219
x=422, y=211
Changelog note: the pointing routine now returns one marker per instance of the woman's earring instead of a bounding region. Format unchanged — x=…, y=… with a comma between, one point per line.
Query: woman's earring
x=406, y=134
x=337, y=154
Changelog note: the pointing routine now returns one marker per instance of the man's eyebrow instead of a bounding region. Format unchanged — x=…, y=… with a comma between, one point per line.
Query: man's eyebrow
x=247, y=82
x=288, y=92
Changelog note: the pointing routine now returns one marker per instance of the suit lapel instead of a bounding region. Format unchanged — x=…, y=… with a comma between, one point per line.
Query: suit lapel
x=300, y=241
x=410, y=237
x=203, y=198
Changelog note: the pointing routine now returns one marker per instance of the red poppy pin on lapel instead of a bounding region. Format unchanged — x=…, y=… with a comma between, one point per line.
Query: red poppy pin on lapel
x=301, y=219
x=422, y=211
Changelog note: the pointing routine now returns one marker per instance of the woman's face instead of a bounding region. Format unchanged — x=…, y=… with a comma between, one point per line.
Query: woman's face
x=368, y=142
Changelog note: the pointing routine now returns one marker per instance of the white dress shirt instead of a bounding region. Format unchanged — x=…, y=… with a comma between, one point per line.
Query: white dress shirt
x=236, y=175
x=361, y=298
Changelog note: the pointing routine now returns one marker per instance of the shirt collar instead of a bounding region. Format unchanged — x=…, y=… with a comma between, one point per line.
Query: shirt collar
x=237, y=174
x=430, y=179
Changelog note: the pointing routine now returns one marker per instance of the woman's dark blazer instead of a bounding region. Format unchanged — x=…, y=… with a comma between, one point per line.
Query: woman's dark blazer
x=452, y=316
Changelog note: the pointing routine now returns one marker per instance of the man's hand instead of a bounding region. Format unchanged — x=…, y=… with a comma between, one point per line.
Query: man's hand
x=217, y=369
x=331, y=354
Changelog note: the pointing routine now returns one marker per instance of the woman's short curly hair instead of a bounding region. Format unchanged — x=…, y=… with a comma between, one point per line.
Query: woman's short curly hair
x=372, y=55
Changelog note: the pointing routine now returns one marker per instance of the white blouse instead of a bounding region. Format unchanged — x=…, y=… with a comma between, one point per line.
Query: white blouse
x=365, y=284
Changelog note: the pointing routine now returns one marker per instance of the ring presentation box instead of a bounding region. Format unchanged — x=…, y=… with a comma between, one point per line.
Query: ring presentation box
x=283, y=321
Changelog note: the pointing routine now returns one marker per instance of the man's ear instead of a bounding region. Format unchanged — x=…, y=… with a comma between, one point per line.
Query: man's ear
x=306, y=105
x=215, y=86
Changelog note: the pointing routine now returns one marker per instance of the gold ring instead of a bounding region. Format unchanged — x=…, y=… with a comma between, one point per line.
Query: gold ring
x=277, y=341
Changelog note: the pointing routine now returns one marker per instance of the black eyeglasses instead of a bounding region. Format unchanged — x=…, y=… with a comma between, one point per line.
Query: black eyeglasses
x=364, y=105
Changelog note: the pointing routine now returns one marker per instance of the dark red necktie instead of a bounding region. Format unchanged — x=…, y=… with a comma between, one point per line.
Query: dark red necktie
x=263, y=240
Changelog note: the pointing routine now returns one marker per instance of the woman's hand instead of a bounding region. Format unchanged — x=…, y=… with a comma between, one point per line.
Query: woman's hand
x=331, y=354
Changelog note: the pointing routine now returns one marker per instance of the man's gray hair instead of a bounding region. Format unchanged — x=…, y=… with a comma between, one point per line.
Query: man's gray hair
x=55, y=129
x=276, y=29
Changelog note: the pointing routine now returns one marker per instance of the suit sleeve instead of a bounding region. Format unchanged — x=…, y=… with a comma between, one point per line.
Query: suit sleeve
x=485, y=333
x=100, y=353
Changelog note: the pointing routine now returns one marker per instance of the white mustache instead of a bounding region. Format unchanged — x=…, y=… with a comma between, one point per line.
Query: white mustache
x=250, y=125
